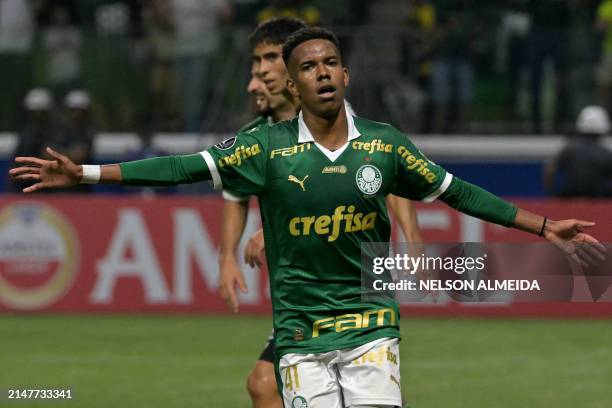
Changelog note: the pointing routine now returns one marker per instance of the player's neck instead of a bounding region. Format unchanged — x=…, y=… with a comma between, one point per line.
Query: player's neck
x=285, y=111
x=332, y=132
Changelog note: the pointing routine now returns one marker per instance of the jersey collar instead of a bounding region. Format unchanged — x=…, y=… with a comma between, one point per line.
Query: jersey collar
x=304, y=135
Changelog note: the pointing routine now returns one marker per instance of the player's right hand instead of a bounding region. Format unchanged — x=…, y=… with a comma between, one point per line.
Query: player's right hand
x=58, y=173
x=231, y=277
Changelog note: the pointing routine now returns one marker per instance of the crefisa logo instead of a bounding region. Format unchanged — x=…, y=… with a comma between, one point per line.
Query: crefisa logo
x=38, y=255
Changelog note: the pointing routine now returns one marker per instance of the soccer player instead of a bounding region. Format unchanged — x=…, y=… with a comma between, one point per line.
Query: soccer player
x=266, y=44
x=321, y=179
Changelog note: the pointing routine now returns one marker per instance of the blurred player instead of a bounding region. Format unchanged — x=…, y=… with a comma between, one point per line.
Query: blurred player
x=273, y=105
x=320, y=201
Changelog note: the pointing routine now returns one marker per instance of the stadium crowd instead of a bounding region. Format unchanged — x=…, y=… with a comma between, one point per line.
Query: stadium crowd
x=427, y=65
x=181, y=66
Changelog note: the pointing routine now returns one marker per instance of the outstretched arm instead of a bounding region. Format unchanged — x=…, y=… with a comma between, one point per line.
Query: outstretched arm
x=568, y=234
x=62, y=172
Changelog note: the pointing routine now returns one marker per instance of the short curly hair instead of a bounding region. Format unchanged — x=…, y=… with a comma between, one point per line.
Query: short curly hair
x=275, y=31
x=307, y=34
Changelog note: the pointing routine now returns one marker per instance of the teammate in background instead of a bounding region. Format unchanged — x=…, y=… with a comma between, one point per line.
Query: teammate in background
x=273, y=105
x=266, y=44
x=325, y=333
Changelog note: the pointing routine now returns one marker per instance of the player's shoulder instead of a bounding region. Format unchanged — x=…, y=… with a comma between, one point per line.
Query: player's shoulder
x=377, y=130
x=258, y=121
x=284, y=133
x=270, y=135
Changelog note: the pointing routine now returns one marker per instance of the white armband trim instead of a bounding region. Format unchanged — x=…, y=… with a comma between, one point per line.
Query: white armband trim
x=214, y=172
x=91, y=174
x=440, y=190
x=234, y=198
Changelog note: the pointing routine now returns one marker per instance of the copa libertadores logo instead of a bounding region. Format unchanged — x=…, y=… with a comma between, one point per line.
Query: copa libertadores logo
x=369, y=179
x=38, y=255
x=299, y=402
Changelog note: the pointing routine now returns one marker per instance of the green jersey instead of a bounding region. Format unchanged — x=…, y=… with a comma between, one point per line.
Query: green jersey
x=317, y=207
x=260, y=120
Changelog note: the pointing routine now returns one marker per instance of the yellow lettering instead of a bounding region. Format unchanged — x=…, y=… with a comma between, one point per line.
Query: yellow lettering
x=296, y=376
x=332, y=225
x=337, y=217
x=320, y=324
x=348, y=218
x=357, y=321
x=431, y=177
x=380, y=317
x=322, y=225
x=368, y=221
x=293, y=227
x=357, y=222
x=307, y=221
x=348, y=321
x=288, y=379
x=289, y=151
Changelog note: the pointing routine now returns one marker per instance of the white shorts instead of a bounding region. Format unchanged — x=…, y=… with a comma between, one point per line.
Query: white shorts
x=365, y=375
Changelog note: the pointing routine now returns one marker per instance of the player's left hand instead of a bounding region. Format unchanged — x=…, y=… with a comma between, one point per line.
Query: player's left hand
x=254, y=252
x=568, y=235
x=230, y=278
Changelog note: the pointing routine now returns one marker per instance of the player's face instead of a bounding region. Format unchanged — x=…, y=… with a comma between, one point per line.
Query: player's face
x=270, y=68
x=318, y=77
x=258, y=89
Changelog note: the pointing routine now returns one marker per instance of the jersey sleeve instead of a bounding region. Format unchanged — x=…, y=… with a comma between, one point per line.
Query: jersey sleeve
x=234, y=196
x=238, y=165
x=416, y=177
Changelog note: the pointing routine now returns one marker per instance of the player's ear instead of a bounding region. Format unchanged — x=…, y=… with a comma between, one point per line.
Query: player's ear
x=345, y=74
x=292, y=88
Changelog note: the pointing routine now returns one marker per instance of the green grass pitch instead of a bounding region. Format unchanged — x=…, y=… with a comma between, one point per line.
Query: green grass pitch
x=202, y=361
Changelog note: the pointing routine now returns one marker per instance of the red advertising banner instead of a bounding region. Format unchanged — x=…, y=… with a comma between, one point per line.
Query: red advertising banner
x=121, y=254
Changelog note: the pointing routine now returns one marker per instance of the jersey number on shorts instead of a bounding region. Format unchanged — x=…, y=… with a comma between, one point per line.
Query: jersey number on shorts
x=292, y=380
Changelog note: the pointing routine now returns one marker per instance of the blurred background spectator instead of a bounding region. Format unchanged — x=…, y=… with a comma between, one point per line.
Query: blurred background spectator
x=62, y=44
x=513, y=66
x=603, y=23
x=290, y=8
x=548, y=41
x=584, y=167
x=76, y=132
x=38, y=130
x=159, y=31
x=452, y=76
x=16, y=40
x=418, y=51
x=196, y=25
x=114, y=61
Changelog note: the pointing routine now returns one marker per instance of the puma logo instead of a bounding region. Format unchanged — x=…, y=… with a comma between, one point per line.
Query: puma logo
x=395, y=380
x=296, y=180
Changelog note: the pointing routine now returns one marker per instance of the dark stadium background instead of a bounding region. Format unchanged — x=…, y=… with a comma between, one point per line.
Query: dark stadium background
x=111, y=291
